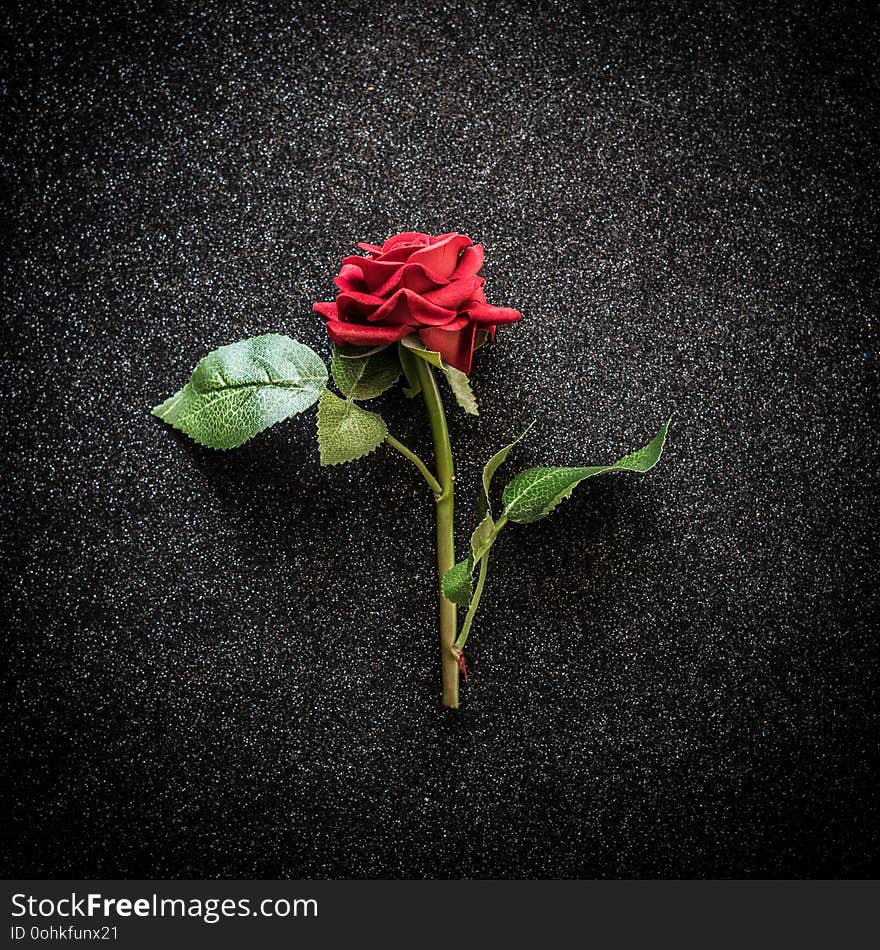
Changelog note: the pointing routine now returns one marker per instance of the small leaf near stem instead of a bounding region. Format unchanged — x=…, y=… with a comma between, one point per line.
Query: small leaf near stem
x=492, y=466
x=414, y=344
x=408, y=362
x=345, y=431
x=461, y=389
x=458, y=582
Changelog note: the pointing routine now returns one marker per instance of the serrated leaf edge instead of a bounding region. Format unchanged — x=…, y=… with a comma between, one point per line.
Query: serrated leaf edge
x=461, y=388
x=165, y=408
x=355, y=406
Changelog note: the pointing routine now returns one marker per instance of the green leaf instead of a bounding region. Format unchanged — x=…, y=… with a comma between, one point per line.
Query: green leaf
x=534, y=493
x=461, y=388
x=484, y=535
x=240, y=389
x=458, y=582
x=483, y=538
x=458, y=381
x=415, y=345
x=365, y=377
x=345, y=431
x=461, y=582
x=408, y=362
x=492, y=466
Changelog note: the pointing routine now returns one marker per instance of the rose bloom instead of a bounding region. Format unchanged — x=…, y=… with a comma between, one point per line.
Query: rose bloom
x=415, y=283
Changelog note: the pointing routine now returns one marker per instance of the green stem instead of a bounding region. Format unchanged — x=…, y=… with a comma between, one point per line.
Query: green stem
x=433, y=484
x=445, y=538
x=472, y=607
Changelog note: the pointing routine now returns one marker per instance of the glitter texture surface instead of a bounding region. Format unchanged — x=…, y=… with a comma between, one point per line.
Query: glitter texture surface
x=226, y=664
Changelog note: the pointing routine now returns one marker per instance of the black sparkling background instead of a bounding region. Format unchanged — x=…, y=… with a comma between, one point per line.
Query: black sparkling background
x=225, y=664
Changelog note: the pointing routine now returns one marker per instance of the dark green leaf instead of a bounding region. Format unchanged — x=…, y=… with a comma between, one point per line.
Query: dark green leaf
x=458, y=584
x=533, y=494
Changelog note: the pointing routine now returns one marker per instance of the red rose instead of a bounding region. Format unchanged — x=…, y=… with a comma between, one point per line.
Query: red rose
x=415, y=283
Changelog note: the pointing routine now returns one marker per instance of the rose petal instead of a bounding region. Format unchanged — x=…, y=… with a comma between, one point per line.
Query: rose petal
x=406, y=306
x=477, y=298
x=382, y=278
x=401, y=253
x=459, y=323
x=484, y=314
x=456, y=347
x=419, y=278
x=406, y=237
x=351, y=278
x=361, y=334
x=327, y=310
x=356, y=306
x=455, y=293
x=470, y=261
x=443, y=256
x=376, y=273
x=370, y=248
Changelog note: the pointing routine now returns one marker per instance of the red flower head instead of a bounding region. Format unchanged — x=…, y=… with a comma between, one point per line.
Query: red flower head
x=415, y=283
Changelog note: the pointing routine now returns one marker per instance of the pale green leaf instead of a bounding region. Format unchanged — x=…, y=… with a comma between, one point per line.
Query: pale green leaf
x=461, y=389
x=483, y=538
x=345, y=431
x=365, y=377
x=533, y=494
x=414, y=344
x=458, y=582
x=240, y=389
